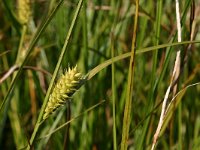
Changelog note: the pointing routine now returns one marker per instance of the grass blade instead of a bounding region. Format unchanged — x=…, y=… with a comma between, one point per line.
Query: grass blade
x=55, y=72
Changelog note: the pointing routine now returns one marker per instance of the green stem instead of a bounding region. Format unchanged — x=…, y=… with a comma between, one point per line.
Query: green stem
x=20, y=50
x=180, y=143
x=113, y=99
x=153, y=75
x=64, y=49
x=128, y=103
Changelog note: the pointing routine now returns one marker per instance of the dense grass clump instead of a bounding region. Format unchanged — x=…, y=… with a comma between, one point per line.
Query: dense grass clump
x=137, y=82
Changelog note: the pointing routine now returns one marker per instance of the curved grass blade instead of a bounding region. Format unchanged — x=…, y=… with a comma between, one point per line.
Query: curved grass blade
x=174, y=104
x=38, y=123
x=108, y=62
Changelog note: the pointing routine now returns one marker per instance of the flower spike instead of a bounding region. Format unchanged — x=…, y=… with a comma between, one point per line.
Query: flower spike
x=65, y=87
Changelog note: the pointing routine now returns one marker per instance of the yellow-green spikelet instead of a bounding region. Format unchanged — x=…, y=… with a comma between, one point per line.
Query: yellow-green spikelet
x=24, y=11
x=64, y=88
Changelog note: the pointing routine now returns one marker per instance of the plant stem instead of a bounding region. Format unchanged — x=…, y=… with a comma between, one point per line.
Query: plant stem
x=128, y=103
x=55, y=72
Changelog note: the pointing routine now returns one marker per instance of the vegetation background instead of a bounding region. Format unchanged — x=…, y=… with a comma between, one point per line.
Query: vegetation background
x=33, y=36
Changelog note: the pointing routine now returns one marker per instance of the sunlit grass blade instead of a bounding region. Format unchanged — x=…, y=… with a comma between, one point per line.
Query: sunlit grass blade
x=63, y=51
x=108, y=62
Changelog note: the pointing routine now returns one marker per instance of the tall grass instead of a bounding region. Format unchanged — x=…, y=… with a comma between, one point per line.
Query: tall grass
x=118, y=105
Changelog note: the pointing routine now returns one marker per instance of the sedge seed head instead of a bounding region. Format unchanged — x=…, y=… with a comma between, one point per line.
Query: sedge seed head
x=24, y=11
x=65, y=87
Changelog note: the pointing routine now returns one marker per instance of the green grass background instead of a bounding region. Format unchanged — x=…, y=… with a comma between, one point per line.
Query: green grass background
x=103, y=29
